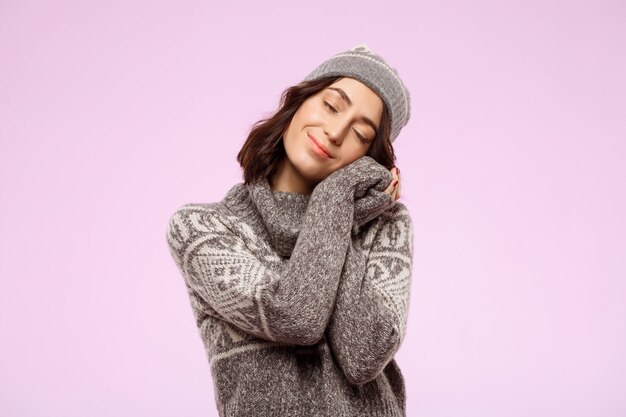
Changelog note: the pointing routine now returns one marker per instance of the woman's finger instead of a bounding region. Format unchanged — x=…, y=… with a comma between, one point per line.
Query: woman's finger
x=391, y=188
x=398, y=188
x=396, y=173
x=396, y=191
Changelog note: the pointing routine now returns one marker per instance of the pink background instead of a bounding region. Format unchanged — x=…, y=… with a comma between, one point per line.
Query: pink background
x=115, y=113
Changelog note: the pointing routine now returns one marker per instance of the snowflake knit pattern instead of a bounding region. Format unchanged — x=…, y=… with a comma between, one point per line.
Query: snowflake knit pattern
x=301, y=300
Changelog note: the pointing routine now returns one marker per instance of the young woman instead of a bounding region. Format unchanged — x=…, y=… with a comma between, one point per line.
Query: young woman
x=299, y=279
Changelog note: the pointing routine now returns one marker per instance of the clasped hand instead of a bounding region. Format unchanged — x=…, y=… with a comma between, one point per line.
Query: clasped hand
x=394, y=187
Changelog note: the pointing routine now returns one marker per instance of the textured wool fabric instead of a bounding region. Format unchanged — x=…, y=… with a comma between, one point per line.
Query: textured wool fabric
x=301, y=300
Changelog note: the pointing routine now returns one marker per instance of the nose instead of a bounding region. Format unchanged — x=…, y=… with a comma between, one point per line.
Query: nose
x=335, y=130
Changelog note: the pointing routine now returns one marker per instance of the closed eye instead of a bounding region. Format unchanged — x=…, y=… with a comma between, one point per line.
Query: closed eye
x=331, y=107
x=361, y=137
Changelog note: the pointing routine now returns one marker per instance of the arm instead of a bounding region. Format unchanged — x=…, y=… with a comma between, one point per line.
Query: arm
x=293, y=306
x=369, y=321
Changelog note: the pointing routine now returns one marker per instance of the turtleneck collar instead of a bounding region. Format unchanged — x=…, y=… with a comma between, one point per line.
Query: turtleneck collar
x=276, y=214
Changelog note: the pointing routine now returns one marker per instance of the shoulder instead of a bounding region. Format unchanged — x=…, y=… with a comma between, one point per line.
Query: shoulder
x=191, y=220
x=394, y=222
x=195, y=214
x=399, y=212
x=208, y=220
x=396, y=218
x=199, y=214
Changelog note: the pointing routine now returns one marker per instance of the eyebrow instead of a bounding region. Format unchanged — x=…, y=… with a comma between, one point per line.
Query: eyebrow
x=347, y=99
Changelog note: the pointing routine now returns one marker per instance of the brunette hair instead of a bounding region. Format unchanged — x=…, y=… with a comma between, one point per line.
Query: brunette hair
x=264, y=151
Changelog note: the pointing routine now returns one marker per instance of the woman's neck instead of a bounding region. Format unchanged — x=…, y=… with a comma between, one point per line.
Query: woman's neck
x=288, y=179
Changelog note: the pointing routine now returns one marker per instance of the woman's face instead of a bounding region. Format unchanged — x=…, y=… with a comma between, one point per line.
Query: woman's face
x=331, y=129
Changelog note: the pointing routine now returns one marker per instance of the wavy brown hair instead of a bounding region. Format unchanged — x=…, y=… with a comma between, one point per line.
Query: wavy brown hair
x=264, y=151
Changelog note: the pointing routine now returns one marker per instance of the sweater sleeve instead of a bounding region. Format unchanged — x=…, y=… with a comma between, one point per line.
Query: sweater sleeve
x=369, y=321
x=293, y=306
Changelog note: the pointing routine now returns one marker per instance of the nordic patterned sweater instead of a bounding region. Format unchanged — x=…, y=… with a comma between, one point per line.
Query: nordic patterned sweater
x=301, y=300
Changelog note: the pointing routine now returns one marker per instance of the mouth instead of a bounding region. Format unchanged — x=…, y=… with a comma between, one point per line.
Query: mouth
x=319, y=148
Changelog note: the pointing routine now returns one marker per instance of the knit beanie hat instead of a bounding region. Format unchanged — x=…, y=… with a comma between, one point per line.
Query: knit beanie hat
x=369, y=68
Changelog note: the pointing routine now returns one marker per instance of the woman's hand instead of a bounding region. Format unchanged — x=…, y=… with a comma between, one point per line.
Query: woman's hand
x=394, y=187
x=360, y=177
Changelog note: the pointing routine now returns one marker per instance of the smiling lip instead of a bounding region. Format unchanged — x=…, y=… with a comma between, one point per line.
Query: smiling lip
x=321, y=147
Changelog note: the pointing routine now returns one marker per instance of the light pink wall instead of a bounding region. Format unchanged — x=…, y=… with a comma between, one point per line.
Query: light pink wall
x=115, y=113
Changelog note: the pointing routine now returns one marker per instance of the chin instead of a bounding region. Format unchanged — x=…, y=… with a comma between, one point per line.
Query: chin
x=311, y=173
x=309, y=169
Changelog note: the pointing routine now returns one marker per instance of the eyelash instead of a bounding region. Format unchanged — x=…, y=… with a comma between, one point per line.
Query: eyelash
x=361, y=138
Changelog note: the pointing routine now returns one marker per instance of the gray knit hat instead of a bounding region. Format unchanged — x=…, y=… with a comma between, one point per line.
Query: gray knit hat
x=369, y=68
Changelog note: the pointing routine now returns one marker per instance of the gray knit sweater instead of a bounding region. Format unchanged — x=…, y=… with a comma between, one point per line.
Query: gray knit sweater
x=301, y=300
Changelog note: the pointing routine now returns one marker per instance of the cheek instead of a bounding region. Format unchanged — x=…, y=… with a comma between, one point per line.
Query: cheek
x=308, y=113
x=351, y=152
